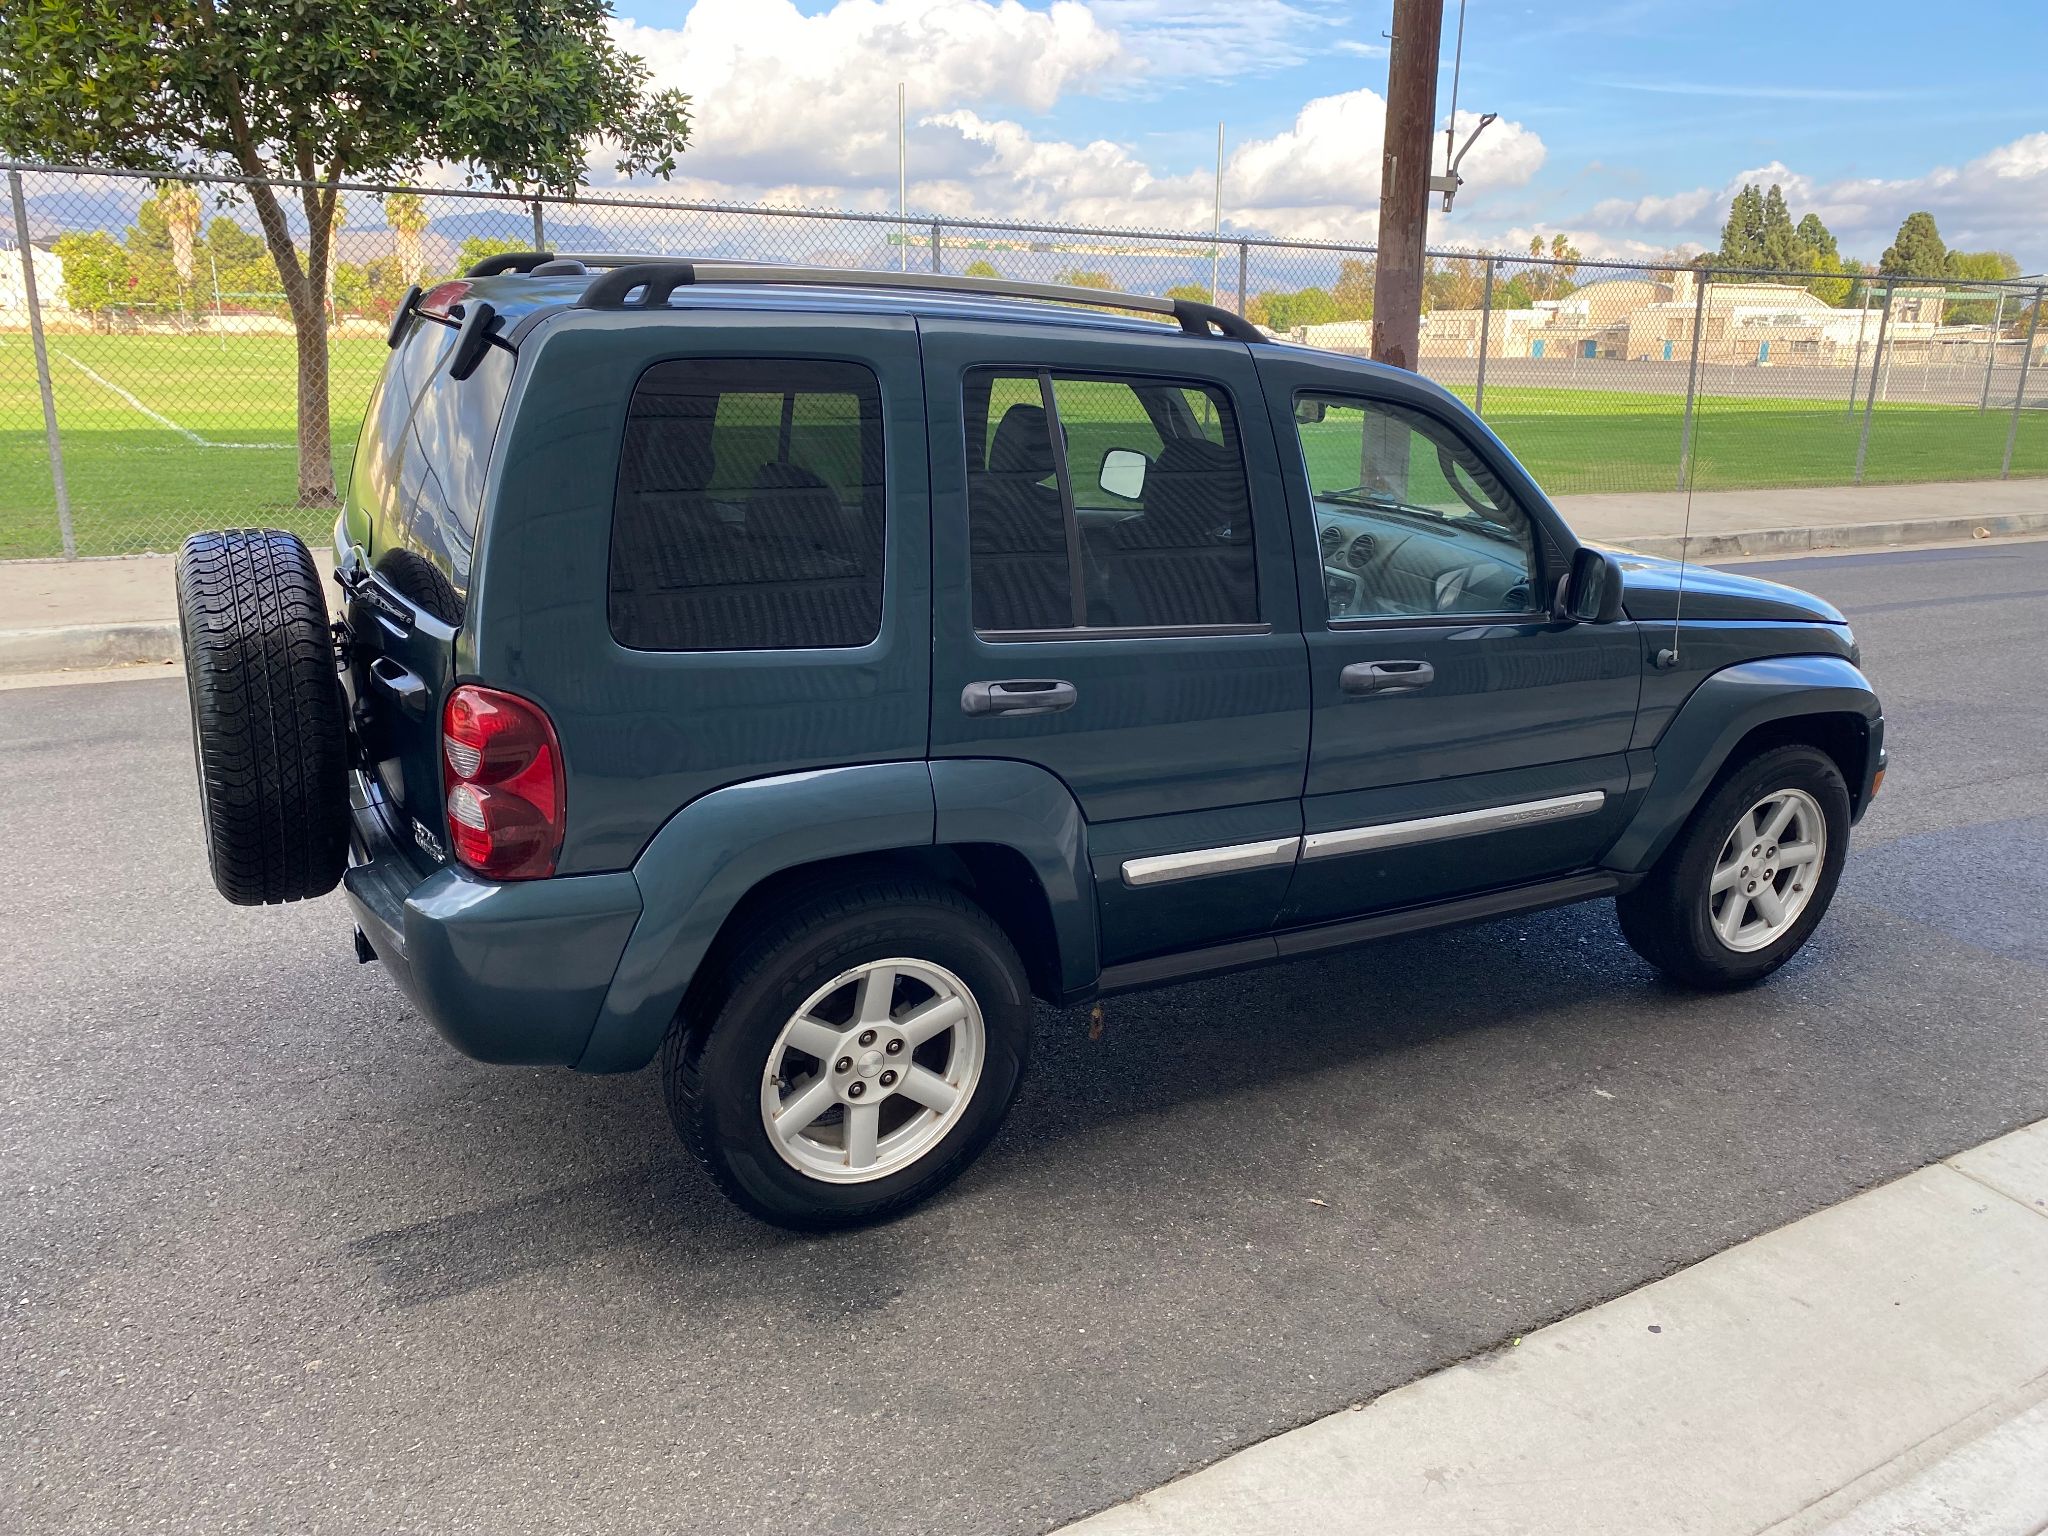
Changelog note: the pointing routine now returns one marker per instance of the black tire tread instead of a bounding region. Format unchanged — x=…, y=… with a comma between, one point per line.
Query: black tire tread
x=269, y=721
x=683, y=1081
x=1656, y=916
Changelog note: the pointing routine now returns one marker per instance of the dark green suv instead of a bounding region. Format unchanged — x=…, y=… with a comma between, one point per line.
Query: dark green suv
x=790, y=674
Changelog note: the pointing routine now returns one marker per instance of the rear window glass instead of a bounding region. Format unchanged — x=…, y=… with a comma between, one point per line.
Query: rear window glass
x=750, y=507
x=420, y=464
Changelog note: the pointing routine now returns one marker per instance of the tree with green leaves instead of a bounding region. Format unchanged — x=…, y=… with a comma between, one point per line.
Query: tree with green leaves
x=514, y=91
x=1779, y=240
x=1553, y=280
x=1742, y=236
x=95, y=272
x=481, y=247
x=1353, y=289
x=1978, y=267
x=1198, y=292
x=180, y=203
x=1454, y=282
x=1080, y=279
x=1816, y=240
x=981, y=268
x=406, y=213
x=1916, y=251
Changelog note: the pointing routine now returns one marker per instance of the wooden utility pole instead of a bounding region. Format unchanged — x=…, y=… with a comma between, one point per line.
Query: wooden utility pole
x=1404, y=180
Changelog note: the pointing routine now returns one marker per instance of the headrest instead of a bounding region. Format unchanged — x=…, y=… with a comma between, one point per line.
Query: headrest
x=1022, y=445
x=787, y=501
x=1194, y=496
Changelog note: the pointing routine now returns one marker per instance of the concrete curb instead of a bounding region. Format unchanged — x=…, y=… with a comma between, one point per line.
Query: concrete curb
x=81, y=647
x=1791, y=541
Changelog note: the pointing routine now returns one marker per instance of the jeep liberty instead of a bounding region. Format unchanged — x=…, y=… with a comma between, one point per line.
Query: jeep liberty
x=788, y=674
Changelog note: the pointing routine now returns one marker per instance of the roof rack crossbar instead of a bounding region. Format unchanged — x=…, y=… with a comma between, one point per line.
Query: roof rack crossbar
x=526, y=261
x=654, y=280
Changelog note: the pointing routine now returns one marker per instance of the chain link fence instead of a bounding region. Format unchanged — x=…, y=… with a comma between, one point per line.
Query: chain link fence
x=148, y=360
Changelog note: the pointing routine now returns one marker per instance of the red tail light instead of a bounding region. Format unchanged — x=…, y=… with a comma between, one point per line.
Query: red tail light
x=502, y=767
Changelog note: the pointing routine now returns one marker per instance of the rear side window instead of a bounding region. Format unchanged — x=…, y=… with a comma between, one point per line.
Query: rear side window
x=750, y=508
x=420, y=464
x=1099, y=502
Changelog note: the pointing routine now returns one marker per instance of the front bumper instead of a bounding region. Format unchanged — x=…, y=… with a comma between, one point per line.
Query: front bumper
x=508, y=972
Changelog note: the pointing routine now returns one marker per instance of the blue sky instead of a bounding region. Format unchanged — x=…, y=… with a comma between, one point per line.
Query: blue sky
x=1624, y=123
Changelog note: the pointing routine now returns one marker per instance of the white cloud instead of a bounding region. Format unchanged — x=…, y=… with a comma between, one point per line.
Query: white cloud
x=1318, y=178
x=1993, y=202
x=801, y=108
x=783, y=98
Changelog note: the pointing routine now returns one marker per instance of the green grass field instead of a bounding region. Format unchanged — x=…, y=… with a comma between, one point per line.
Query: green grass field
x=164, y=434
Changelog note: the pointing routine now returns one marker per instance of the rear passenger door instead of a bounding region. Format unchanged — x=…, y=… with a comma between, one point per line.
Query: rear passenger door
x=1114, y=602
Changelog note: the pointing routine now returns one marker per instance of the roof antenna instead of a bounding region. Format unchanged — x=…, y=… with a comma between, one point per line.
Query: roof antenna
x=1667, y=658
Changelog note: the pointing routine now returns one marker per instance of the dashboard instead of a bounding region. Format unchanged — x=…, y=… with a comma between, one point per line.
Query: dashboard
x=1388, y=561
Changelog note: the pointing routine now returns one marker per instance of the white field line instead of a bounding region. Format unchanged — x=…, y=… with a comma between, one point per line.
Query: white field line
x=156, y=416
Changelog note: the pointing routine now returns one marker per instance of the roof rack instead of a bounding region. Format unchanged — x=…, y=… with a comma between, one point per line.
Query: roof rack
x=656, y=278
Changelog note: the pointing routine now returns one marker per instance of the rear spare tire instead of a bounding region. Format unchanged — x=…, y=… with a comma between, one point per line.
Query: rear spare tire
x=269, y=723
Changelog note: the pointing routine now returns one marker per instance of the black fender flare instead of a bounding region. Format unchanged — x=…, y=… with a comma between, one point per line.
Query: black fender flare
x=1719, y=713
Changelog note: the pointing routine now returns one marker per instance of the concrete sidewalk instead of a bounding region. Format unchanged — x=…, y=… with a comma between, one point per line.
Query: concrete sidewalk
x=58, y=615
x=1789, y=521
x=1881, y=1366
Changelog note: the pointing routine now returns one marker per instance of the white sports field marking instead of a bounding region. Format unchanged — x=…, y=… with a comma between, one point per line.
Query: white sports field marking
x=156, y=416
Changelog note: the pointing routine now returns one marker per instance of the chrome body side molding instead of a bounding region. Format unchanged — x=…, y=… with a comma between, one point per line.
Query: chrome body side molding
x=1430, y=829
x=1196, y=862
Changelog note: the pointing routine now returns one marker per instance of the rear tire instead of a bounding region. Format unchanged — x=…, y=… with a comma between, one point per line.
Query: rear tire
x=1768, y=903
x=731, y=1064
x=269, y=723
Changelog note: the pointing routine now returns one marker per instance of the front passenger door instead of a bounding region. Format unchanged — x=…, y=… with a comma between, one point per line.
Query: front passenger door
x=1462, y=739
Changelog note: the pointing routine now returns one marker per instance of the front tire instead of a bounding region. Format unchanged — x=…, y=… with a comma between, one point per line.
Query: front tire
x=851, y=1057
x=1751, y=875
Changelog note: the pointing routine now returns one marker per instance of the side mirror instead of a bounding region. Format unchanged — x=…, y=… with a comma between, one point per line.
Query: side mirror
x=1309, y=412
x=1123, y=473
x=1591, y=593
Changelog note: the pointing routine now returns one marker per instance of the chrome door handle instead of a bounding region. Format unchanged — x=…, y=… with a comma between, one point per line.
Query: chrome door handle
x=1368, y=677
x=1018, y=696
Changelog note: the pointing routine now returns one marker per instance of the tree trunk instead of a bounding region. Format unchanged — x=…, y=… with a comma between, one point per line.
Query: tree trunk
x=316, y=435
x=304, y=291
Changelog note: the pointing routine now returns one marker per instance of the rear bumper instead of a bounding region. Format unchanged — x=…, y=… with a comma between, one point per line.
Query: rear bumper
x=511, y=972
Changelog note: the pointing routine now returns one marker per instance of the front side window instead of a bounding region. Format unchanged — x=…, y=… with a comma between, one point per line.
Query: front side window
x=1410, y=521
x=1105, y=503
x=750, y=507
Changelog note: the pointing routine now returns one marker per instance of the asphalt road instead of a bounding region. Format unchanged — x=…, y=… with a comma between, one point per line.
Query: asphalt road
x=275, y=1258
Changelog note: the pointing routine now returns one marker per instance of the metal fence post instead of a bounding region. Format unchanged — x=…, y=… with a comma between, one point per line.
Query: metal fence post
x=1856, y=368
x=935, y=246
x=540, y=231
x=1485, y=322
x=1244, y=252
x=1884, y=323
x=1991, y=360
x=2019, y=395
x=1692, y=378
x=35, y=331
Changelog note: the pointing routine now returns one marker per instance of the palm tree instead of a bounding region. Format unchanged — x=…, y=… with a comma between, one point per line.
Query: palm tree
x=179, y=201
x=406, y=213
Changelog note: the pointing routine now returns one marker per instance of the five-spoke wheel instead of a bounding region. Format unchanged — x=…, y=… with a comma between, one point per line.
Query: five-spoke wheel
x=873, y=1070
x=1749, y=877
x=1766, y=872
x=851, y=1053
